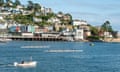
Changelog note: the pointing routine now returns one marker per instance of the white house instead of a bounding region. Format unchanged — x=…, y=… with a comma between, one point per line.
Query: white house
x=54, y=20
x=60, y=15
x=20, y=7
x=5, y=13
x=1, y=18
x=108, y=34
x=118, y=34
x=27, y=12
x=79, y=22
x=48, y=10
x=28, y=34
x=37, y=19
x=43, y=9
x=3, y=26
x=79, y=34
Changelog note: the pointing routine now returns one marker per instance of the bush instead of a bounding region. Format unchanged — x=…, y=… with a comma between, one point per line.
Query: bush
x=93, y=38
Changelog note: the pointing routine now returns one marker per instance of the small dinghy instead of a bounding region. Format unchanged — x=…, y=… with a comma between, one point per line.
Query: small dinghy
x=5, y=40
x=26, y=64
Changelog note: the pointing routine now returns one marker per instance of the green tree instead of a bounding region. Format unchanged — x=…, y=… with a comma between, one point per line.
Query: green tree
x=60, y=12
x=94, y=33
x=106, y=26
x=30, y=5
x=70, y=18
x=17, y=2
x=23, y=19
x=94, y=30
x=9, y=3
x=37, y=7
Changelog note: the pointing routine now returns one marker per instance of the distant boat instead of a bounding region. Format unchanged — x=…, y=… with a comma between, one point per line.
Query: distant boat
x=26, y=64
x=5, y=40
x=91, y=44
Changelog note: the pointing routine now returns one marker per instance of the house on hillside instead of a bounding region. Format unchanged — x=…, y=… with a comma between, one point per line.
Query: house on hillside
x=54, y=20
x=27, y=12
x=46, y=10
x=81, y=24
x=35, y=19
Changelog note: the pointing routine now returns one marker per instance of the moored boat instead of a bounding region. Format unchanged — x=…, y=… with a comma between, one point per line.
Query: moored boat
x=5, y=40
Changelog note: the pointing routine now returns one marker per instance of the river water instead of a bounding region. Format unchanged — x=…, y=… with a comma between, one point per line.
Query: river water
x=60, y=56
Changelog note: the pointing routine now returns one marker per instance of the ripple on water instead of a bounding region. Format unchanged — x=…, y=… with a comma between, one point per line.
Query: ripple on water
x=62, y=51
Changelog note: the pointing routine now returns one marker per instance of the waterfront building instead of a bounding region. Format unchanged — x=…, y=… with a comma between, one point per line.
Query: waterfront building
x=23, y=28
x=83, y=29
x=37, y=29
x=67, y=33
x=50, y=34
x=27, y=34
x=1, y=17
x=5, y=13
x=79, y=34
x=108, y=34
x=86, y=30
x=31, y=28
x=118, y=34
x=87, y=33
x=3, y=25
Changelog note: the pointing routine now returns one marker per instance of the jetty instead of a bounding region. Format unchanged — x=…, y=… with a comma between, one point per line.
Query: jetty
x=36, y=38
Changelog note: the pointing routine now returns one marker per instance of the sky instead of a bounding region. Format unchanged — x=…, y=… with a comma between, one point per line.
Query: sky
x=95, y=12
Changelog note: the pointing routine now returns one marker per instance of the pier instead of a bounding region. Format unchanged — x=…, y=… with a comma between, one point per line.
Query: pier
x=35, y=38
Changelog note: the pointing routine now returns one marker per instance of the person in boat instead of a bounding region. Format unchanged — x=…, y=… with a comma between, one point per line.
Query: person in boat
x=91, y=44
x=22, y=62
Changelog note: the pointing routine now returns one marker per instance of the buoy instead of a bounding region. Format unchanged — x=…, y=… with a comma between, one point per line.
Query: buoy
x=91, y=44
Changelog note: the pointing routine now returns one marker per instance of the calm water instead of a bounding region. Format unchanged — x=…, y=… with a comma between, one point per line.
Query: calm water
x=60, y=56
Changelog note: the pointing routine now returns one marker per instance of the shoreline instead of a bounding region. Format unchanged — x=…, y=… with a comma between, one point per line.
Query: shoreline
x=58, y=39
x=112, y=40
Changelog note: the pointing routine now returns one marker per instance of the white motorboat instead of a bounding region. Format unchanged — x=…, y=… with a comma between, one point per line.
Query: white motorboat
x=26, y=64
x=5, y=39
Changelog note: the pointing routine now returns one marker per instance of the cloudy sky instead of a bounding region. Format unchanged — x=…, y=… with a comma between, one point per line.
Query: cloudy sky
x=95, y=12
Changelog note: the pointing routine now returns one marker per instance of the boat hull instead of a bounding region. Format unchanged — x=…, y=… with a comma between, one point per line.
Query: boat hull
x=26, y=64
